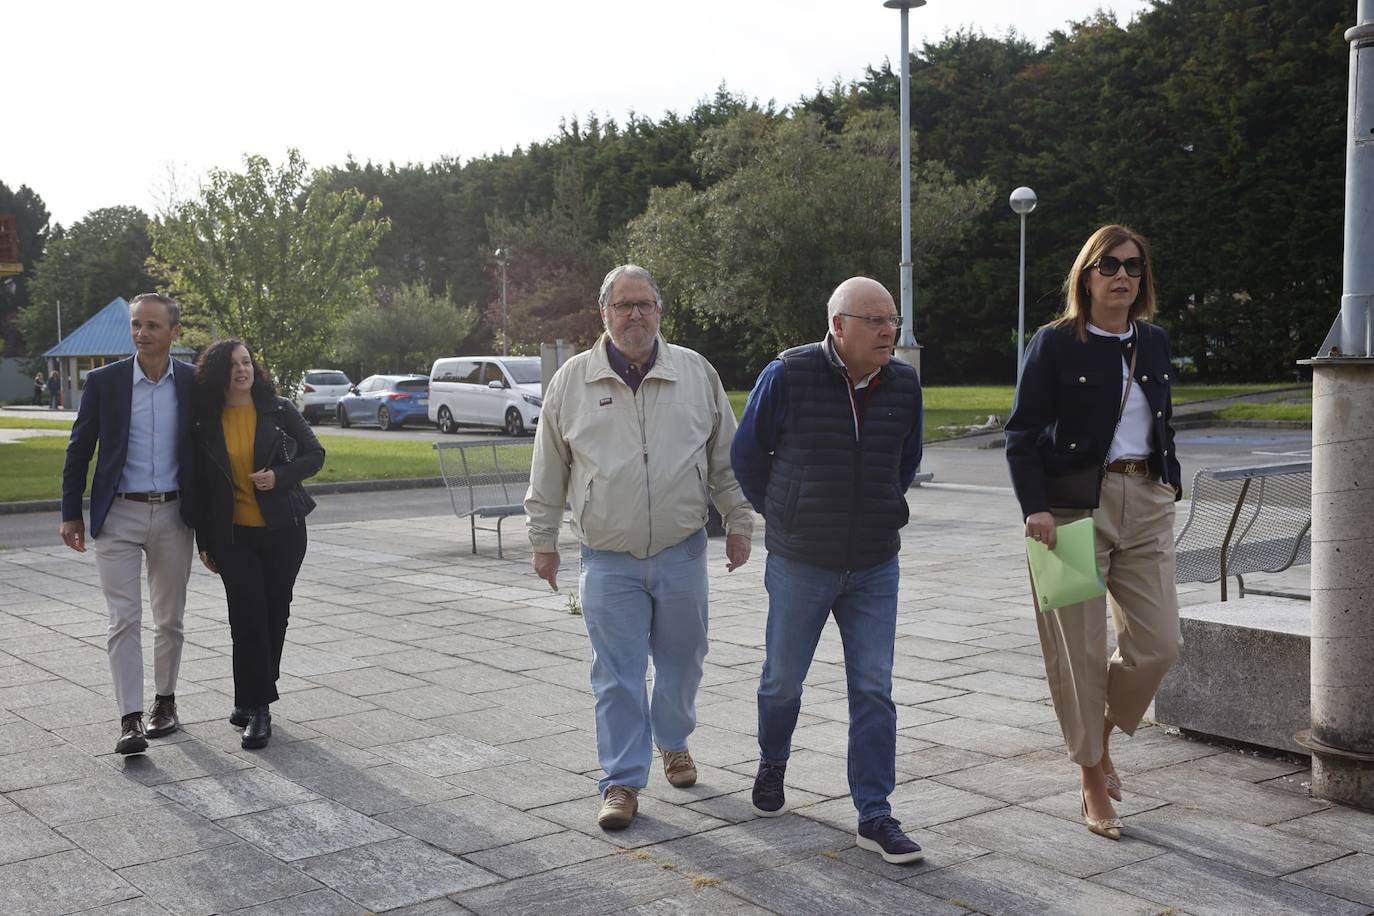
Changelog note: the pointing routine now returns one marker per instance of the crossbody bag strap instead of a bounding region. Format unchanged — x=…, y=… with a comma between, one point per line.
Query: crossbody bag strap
x=1125, y=394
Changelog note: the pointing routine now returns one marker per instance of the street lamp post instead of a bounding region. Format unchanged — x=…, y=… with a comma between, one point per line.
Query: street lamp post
x=907, y=340
x=1023, y=201
x=502, y=258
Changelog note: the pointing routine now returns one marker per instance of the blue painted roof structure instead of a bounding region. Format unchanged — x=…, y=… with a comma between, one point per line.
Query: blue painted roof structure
x=106, y=333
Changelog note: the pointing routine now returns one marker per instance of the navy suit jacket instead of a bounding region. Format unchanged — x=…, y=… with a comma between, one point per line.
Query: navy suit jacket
x=103, y=419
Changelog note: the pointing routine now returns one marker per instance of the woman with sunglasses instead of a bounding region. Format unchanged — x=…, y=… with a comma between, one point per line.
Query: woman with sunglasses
x=253, y=451
x=1090, y=434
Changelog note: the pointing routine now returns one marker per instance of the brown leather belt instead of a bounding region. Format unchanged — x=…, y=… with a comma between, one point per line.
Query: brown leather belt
x=167, y=497
x=1131, y=467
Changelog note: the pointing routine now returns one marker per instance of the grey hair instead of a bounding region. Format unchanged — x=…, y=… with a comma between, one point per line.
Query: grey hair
x=838, y=300
x=167, y=302
x=633, y=271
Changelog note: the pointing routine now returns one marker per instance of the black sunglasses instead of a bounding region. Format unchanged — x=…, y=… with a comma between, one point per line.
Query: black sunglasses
x=1107, y=266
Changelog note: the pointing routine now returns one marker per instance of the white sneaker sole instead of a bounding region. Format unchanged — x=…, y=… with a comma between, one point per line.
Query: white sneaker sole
x=762, y=813
x=895, y=858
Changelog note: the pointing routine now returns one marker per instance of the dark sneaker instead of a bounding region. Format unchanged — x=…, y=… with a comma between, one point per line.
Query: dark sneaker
x=884, y=835
x=768, y=799
x=131, y=739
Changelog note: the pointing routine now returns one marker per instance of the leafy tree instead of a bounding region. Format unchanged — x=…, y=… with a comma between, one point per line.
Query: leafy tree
x=103, y=255
x=792, y=210
x=272, y=255
x=404, y=330
x=31, y=219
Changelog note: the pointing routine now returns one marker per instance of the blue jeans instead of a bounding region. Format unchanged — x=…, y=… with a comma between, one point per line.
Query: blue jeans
x=633, y=609
x=800, y=599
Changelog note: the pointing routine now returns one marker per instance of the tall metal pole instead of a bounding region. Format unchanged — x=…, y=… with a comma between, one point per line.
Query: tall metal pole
x=1021, y=305
x=505, y=337
x=1342, y=650
x=908, y=337
x=59, y=320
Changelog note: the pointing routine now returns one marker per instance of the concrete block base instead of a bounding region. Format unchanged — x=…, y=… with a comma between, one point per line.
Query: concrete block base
x=1244, y=672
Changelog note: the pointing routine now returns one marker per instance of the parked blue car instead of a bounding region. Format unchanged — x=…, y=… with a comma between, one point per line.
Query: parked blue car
x=386, y=400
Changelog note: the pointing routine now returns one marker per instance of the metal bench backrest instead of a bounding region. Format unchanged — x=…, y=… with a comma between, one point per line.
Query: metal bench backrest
x=1266, y=509
x=489, y=473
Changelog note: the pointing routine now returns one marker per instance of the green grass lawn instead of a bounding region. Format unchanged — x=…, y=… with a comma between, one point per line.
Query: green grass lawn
x=25, y=423
x=1279, y=411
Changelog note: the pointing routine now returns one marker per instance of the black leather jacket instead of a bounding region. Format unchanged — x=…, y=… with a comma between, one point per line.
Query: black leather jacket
x=1067, y=404
x=284, y=442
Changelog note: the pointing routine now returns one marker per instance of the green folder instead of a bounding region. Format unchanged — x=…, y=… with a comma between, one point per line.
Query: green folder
x=1067, y=574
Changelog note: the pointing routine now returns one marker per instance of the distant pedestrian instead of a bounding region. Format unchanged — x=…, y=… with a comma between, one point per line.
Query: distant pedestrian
x=54, y=391
x=635, y=433
x=1094, y=405
x=40, y=384
x=138, y=411
x=253, y=450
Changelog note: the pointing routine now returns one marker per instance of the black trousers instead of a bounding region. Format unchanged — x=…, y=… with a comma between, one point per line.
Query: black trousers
x=259, y=571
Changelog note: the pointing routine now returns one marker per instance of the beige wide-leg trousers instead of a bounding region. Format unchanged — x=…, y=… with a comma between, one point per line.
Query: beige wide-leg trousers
x=1135, y=553
x=131, y=531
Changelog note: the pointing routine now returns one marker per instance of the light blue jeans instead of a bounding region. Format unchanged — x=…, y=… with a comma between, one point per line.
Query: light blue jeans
x=801, y=597
x=633, y=609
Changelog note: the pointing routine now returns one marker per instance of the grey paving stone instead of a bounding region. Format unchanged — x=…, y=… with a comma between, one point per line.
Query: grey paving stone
x=499, y=725
x=319, y=703
x=984, y=737
x=1206, y=887
x=152, y=834
x=374, y=728
x=44, y=766
x=231, y=794
x=940, y=852
x=605, y=885
x=1005, y=885
x=135, y=906
x=24, y=837
x=440, y=907
x=18, y=736
x=361, y=682
x=65, y=882
x=1248, y=766
x=467, y=676
x=469, y=823
x=377, y=790
x=312, y=755
x=527, y=784
x=1153, y=748
x=309, y=829
x=86, y=799
x=737, y=806
x=430, y=701
x=711, y=782
x=1338, y=825
x=822, y=885
x=989, y=707
x=1258, y=849
x=705, y=901
x=574, y=751
x=312, y=903
x=811, y=771
x=1186, y=784
x=176, y=761
x=919, y=803
x=1351, y=878
x=1019, y=779
x=1068, y=806
x=447, y=755
x=656, y=821
x=213, y=880
x=541, y=853
x=755, y=845
x=395, y=873
x=939, y=759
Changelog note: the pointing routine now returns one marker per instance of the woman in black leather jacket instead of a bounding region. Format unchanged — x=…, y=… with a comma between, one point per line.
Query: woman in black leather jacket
x=253, y=451
x=1090, y=434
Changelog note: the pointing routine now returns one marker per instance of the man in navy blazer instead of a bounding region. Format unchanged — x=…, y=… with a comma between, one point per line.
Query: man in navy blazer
x=139, y=412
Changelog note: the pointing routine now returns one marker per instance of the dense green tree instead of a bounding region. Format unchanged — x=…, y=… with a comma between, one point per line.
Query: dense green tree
x=404, y=330
x=272, y=255
x=102, y=255
x=31, y=219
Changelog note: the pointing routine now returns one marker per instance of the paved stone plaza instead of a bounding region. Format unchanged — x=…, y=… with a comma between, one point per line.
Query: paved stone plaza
x=433, y=753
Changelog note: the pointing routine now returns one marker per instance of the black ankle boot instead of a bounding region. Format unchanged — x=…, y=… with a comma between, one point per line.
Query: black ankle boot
x=259, y=728
x=239, y=716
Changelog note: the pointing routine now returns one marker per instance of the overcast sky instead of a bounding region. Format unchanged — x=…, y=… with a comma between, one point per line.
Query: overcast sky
x=106, y=101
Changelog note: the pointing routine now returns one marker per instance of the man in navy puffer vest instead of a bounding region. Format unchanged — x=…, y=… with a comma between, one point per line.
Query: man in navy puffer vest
x=828, y=445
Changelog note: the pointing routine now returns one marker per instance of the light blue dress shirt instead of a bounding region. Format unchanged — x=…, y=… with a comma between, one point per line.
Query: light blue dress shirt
x=151, y=463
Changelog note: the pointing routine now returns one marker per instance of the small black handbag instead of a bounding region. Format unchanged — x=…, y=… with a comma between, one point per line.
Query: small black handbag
x=1082, y=489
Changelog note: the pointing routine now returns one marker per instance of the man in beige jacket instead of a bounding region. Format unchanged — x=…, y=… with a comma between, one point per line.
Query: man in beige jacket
x=635, y=435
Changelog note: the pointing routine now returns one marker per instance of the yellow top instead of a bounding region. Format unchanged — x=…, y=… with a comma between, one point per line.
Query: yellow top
x=240, y=425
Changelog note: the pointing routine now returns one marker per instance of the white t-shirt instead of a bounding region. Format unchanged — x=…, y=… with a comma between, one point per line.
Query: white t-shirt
x=1132, y=438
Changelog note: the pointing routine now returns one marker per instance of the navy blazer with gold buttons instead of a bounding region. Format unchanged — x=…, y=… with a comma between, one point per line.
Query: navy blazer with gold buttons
x=1066, y=407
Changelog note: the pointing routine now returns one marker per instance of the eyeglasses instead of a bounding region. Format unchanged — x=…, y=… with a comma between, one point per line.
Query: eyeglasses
x=876, y=321
x=645, y=307
x=1107, y=266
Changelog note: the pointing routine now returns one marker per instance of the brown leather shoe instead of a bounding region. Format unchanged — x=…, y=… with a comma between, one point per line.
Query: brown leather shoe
x=679, y=768
x=162, y=719
x=618, y=807
x=131, y=739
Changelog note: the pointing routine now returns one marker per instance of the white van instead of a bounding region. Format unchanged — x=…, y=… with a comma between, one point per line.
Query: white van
x=503, y=391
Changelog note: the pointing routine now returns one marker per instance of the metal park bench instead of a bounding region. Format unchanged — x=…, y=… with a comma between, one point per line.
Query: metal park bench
x=1246, y=520
x=486, y=479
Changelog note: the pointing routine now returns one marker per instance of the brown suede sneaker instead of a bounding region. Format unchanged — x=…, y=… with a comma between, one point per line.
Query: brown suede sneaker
x=618, y=808
x=679, y=768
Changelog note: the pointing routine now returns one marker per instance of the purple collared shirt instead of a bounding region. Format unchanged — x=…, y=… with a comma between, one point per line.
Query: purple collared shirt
x=631, y=373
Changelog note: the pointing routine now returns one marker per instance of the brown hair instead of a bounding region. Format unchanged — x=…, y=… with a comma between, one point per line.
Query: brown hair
x=1078, y=302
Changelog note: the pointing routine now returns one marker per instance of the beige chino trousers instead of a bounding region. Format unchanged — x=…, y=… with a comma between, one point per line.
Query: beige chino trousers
x=1135, y=553
x=131, y=531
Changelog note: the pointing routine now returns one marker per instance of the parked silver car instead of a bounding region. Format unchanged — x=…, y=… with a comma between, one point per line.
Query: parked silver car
x=319, y=393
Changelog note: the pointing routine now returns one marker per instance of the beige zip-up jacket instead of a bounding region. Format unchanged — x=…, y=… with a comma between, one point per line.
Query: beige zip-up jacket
x=637, y=468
